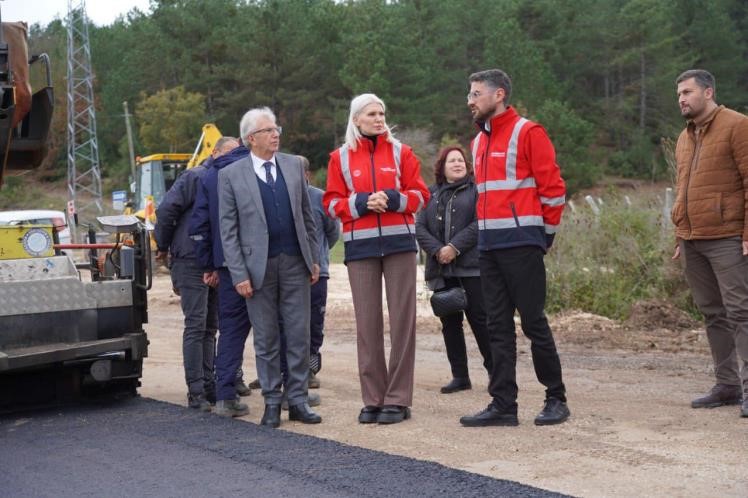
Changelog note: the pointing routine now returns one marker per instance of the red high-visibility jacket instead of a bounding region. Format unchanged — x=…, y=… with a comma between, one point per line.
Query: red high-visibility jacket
x=521, y=194
x=353, y=175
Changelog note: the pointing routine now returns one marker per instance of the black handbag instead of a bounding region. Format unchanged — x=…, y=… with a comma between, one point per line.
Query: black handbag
x=445, y=302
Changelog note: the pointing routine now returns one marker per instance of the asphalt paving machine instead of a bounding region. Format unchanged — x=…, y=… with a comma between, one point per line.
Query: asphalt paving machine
x=66, y=328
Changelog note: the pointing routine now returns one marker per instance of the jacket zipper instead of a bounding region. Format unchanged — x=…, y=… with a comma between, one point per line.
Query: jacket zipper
x=374, y=185
x=485, y=177
x=514, y=213
x=694, y=163
x=448, y=213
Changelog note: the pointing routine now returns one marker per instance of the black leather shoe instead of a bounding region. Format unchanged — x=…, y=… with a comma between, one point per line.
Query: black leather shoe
x=272, y=416
x=491, y=416
x=303, y=414
x=393, y=414
x=554, y=411
x=255, y=384
x=369, y=414
x=457, y=384
x=721, y=394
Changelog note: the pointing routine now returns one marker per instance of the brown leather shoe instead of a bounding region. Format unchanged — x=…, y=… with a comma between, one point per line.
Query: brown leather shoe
x=721, y=394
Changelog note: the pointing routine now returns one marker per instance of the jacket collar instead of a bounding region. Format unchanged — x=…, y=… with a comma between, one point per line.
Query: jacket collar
x=369, y=145
x=462, y=182
x=505, y=118
x=692, y=126
x=234, y=155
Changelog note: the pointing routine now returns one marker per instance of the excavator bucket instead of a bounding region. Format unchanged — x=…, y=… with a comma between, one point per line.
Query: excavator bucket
x=28, y=140
x=25, y=118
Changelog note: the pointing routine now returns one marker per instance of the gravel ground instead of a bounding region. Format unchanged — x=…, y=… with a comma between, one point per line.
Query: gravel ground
x=631, y=432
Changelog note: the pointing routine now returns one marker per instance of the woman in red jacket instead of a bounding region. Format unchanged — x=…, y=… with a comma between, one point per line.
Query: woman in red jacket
x=374, y=187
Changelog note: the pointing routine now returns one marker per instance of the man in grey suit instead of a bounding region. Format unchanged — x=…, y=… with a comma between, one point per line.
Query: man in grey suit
x=271, y=250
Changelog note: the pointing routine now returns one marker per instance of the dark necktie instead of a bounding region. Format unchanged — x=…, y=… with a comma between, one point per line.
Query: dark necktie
x=268, y=174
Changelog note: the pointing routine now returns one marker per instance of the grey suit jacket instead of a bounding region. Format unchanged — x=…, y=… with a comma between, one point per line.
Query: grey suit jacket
x=244, y=231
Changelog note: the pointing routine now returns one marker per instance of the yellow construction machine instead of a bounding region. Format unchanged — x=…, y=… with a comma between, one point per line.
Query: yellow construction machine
x=158, y=172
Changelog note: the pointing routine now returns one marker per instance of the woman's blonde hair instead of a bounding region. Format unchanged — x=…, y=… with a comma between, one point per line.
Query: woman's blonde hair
x=353, y=134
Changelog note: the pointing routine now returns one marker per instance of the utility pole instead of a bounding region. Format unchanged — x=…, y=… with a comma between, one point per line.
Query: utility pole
x=129, y=142
x=84, y=175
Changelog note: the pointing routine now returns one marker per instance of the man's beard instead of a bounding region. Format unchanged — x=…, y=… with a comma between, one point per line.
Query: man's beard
x=692, y=112
x=688, y=113
x=482, y=117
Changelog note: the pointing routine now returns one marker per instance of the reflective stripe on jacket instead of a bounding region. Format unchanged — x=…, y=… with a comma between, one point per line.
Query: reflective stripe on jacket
x=521, y=194
x=353, y=175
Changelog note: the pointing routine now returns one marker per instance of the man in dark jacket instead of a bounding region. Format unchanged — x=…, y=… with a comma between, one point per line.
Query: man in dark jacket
x=328, y=233
x=198, y=299
x=232, y=311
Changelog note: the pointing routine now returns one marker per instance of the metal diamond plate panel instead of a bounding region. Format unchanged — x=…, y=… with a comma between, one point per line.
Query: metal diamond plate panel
x=21, y=270
x=62, y=294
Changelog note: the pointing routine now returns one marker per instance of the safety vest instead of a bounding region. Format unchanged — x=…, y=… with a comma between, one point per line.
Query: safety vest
x=353, y=175
x=521, y=194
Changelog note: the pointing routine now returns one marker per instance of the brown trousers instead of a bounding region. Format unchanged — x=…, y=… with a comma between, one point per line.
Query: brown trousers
x=717, y=273
x=381, y=385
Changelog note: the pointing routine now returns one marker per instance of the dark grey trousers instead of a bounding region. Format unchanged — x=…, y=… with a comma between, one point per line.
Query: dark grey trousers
x=285, y=292
x=717, y=273
x=199, y=305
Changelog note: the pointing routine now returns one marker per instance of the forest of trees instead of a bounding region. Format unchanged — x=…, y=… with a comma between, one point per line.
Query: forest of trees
x=599, y=74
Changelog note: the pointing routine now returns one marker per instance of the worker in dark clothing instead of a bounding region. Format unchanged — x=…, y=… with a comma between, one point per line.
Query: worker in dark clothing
x=198, y=298
x=232, y=309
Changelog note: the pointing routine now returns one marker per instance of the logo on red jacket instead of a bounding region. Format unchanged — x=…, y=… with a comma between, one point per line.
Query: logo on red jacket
x=498, y=154
x=357, y=172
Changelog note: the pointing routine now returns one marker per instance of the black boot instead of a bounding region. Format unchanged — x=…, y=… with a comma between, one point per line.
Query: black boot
x=457, y=384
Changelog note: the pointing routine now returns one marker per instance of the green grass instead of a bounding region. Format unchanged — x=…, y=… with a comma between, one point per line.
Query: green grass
x=603, y=264
x=337, y=252
x=21, y=192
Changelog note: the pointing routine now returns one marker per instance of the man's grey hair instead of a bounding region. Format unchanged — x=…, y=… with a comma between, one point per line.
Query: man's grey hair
x=352, y=133
x=702, y=77
x=248, y=124
x=224, y=141
x=495, y=78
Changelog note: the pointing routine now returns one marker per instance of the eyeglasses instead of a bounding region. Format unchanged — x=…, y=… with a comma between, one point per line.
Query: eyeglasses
x=276, y=129
x=473, y=95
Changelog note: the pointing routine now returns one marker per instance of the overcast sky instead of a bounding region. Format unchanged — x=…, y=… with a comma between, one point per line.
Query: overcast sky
x=100, y=12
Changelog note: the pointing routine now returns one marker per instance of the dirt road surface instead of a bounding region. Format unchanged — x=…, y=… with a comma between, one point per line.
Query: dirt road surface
x=632, y=431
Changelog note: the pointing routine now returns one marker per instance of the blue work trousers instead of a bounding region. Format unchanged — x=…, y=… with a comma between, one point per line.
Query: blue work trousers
x=233, y=322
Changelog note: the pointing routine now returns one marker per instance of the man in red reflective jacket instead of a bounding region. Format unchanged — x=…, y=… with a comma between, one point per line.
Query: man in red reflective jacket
x=520, y=200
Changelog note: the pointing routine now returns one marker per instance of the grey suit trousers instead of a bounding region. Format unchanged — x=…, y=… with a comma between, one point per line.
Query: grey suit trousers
x=717, y=273
x=285, y=292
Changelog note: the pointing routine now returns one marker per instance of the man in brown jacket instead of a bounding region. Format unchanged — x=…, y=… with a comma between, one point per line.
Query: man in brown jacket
x=711, y=226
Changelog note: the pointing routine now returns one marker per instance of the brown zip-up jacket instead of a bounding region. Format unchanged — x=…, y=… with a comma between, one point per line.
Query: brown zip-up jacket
x=712, y=184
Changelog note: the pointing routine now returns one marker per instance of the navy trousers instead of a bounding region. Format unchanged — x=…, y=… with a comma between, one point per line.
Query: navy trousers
x=234, y=325
x=317, y=319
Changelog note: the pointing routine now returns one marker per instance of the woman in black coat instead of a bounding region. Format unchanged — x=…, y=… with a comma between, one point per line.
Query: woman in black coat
x=447, y=230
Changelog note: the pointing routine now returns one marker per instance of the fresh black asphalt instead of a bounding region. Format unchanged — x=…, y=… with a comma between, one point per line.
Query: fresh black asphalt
x=143, y=447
